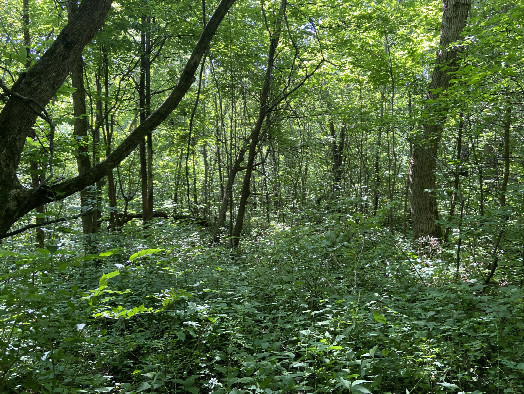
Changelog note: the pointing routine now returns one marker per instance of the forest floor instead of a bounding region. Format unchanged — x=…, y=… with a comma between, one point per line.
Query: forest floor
x=334, y=307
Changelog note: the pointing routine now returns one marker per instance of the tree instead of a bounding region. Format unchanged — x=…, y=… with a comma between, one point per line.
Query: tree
x=30, y=94
x=423, y=163
x=144, y=93
x=81, y=125
x=263, y=114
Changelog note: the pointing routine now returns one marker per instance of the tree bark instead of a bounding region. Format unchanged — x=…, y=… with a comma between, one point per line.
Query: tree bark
x=80, y=129
x=502, y=197
x=31, y=93
x=227, y=194
x=424, y=210
x=34, y=89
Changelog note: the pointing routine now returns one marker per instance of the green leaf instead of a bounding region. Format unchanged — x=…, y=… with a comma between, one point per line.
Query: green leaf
x=52, y=248
x=143, y=386
x=379, y=318
x=144, y=252
x=109, y=253
x=136, y=310
x=358, y=388
x=103, y=280
x=44, y=252
x=448, y=385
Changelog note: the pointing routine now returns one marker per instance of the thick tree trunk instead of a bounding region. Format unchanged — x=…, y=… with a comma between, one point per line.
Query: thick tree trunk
x=33, y=91
x=424, y=210
x=28, y=98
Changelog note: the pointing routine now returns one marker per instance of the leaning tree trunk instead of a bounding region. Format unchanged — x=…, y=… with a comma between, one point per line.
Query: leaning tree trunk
x=502, y=197
x=27, y=100
x=424, y=210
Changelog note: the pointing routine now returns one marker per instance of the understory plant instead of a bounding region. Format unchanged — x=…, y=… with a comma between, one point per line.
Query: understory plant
x=334, y=307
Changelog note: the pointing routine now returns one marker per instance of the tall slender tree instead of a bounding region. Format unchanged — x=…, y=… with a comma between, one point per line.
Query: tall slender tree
x=80, y=133
x=144, y=93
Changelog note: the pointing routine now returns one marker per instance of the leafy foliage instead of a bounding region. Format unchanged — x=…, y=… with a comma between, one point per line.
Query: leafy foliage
x=334, y=307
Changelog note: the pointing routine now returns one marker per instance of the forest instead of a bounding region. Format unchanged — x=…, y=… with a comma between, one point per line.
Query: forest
x=261, y=196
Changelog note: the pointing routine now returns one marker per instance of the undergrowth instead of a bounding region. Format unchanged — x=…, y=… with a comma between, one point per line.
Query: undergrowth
x=334, y=307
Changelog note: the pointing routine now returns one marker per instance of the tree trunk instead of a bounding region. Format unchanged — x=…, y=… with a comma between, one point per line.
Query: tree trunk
x=456, y=176
x=255, y=135
x=337, y=148
x=34, y=89
x=108, y=142
x=424, y=210
x=146, y=145
x=507, y=157
x=392, y=151
x=502, y=196
x=377, y=180
x=207, y=207
x=227, y=194
x=80, y=129
x=88, y=195
x=191, y=143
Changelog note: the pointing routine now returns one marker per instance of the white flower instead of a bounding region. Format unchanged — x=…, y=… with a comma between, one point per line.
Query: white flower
x=213, y=382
